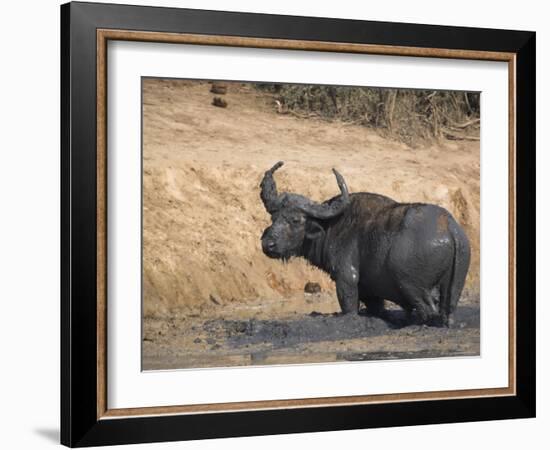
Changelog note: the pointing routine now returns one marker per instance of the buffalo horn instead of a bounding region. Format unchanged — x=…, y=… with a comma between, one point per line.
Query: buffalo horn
x=331, y=209
x=272, y=201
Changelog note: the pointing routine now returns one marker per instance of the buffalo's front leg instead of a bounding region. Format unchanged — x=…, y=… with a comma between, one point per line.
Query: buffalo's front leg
x=347, y=292
x=375, y=306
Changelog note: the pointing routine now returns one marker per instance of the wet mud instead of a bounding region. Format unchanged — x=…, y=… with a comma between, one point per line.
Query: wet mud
x=304, y=338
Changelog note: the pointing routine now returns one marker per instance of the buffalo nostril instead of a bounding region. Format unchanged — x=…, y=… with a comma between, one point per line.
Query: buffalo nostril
x=269, y=245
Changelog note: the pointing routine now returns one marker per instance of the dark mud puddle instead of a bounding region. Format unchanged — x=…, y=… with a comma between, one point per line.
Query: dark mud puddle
x=318, y=327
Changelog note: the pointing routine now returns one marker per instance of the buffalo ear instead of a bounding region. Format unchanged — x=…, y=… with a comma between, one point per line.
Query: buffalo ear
x=314, y=230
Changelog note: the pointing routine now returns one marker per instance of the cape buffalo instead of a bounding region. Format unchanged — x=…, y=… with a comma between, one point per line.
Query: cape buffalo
x=374, y=248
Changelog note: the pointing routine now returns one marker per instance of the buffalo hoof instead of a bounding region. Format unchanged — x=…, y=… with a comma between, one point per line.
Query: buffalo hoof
x=433, y=320
x=442, y=321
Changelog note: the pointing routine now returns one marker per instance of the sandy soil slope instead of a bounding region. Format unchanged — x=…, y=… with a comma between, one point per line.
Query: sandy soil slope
x=203, y=218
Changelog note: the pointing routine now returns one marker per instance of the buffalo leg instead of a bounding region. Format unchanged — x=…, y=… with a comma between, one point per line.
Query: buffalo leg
x=419, y=303
x=348, y=295
x=375, y=306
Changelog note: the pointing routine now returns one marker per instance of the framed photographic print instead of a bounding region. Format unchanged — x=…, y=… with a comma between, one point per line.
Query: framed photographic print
x=276, y=224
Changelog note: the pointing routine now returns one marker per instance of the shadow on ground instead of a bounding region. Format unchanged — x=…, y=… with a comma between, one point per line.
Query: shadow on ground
x=50, y=434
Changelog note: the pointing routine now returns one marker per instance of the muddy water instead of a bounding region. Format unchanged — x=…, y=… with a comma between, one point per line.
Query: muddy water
x=191, y=342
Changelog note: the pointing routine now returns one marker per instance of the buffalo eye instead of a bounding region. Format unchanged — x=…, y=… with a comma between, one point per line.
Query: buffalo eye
x=296, y=220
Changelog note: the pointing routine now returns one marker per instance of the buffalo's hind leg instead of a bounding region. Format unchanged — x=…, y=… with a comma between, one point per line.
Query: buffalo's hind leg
x=420, y=304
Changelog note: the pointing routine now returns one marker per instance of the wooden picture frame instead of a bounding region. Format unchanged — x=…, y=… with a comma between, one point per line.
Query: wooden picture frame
x=86, y=418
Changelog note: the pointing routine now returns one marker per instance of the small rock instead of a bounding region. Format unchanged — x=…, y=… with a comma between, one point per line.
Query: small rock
x=210, y=341
x=197, y=341
x=218, y=89
x=215, y=347
x=312, y=288
x=220, y=102
x=214, y=300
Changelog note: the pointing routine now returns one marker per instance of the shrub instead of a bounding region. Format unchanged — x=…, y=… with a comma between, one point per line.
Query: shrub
x=405, y=114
